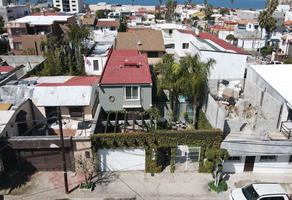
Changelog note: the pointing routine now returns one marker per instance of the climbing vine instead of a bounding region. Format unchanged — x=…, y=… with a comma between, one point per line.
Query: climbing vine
x=160, y=141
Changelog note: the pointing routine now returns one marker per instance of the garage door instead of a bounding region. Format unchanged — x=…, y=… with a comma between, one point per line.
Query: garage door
x=122, y=159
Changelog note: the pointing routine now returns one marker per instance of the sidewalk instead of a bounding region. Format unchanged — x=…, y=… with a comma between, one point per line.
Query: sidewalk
x=177, y=186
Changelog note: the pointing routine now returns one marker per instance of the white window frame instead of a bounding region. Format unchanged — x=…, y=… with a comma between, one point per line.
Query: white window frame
x=125, y=92
x=97, y=65
x=268, y=160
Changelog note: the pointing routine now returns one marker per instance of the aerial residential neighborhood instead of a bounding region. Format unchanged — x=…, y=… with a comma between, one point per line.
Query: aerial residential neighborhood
x=126, y=100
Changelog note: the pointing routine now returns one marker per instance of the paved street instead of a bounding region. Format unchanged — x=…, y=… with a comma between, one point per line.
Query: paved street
x=177, y=186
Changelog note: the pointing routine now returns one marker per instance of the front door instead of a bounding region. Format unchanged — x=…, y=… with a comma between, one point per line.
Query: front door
x=249, y=163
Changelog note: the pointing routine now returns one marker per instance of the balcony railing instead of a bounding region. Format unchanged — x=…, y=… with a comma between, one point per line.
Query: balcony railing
x=286, y=128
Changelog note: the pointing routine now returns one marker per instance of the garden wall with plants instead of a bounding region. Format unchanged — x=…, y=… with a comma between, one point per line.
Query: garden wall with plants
x=160, y=146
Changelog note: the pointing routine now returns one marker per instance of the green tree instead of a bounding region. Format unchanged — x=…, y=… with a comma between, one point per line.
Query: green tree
x=101, y=13
x=4, y=46
x=266, y=50
x=170, y=5
x=65, y=56
x=195, y=80
x=266, y=19
x=77, y=36
x=35, y=10
x=2, y=23
x=224, y=11
x=123, y=25
x=170, y=77
x=189, y=78
x=230, y=38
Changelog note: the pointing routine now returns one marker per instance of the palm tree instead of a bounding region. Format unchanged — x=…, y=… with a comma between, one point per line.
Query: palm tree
x=188, y=78
x=266, y=19
x=169, y=77
x=194, y=84
x=170, y=5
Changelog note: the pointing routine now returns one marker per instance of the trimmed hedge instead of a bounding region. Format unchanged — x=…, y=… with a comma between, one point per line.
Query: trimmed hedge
x=205, y=139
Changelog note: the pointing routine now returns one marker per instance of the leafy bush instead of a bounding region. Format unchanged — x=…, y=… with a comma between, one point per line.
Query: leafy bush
x=222, y=187
x=266, y=50
x=89, y=185
x=213, y=157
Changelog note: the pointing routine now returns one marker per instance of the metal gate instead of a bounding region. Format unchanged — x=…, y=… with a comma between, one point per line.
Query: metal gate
x=187, y=158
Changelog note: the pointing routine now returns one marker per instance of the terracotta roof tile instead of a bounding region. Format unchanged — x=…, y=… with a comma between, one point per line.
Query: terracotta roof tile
x=222, y=43
x=108, y=23
x=126, y=67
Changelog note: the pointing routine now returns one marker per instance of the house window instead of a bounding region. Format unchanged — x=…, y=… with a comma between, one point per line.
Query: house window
x=17, y=45
x=153, y=54
x=268, y=158
x=76, y=111
x=95, y=65
x=112, y=28
x=170, y=46
x=87, y=154
x=234, y=159
x=132, y=93
x=170, y=32
x=74, y=9
x=185, y=45
x=290, y=159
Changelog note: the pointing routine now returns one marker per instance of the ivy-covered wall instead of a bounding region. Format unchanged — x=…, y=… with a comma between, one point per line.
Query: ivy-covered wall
x=159, y=143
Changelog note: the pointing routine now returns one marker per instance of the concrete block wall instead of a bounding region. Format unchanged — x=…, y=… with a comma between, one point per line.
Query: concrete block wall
x=214, y=113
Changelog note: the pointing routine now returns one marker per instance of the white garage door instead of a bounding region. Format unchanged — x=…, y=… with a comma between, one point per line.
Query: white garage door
x=122, y=159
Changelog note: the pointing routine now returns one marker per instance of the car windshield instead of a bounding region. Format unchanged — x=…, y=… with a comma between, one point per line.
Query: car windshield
x=250, y=193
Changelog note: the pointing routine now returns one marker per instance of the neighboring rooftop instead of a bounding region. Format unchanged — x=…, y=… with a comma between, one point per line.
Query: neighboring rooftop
x=5, y=69
x=243, y=144
x=140, y=39
x=43, y=19
x=126, y=67
x=65, y=80
x=107, y=23
x=278, y=77
x=217, y=41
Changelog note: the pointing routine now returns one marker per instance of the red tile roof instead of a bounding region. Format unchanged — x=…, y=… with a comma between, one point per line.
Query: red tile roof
x=288, y=23
x=222, y=43
x=108, y=23
x=75, y=81
x=126, y=67
x=230, y=22
x=187, y=31
x=6, y=68
x=220, y=28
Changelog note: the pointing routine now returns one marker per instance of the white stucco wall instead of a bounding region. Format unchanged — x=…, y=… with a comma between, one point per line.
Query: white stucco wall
x=251, y=44
x=281, y=166
x=89, y=68
x=228, y=65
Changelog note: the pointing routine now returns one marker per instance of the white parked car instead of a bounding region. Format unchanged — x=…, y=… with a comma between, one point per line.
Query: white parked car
x=259, y=191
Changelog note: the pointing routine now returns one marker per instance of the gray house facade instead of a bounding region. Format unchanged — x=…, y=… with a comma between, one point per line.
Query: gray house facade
x=126, y=83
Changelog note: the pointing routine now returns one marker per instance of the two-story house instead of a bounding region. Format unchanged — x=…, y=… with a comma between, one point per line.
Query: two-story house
x=146, y=41
x=126, y=83
x=27, y=33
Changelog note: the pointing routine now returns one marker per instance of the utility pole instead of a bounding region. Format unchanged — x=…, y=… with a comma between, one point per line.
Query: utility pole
x=63, y=150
